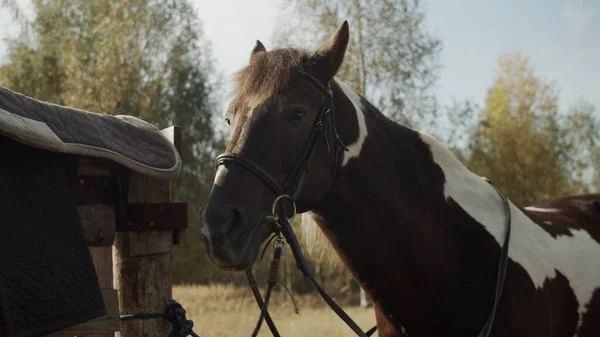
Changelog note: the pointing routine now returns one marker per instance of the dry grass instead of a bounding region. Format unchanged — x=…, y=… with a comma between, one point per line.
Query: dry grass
x=228, y=311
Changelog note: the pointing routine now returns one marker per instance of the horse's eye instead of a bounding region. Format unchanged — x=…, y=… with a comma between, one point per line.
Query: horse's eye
x=228, y=121
x=297, y=116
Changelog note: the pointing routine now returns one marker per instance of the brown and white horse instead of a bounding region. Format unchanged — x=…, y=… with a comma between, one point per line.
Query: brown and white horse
x=420, y=232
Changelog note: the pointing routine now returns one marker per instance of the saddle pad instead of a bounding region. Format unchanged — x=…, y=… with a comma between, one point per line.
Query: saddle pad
x=127, y=140
x=47, y=277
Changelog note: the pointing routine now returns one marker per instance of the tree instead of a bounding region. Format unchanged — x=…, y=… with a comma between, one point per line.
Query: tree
x=524, y=144
x=583, y=142
x=391, y=59
x=145, y=58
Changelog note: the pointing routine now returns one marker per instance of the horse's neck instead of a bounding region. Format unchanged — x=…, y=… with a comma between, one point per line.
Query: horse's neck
x=410, y=246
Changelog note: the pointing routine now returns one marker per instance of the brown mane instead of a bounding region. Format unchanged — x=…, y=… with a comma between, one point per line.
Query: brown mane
x=268, y=73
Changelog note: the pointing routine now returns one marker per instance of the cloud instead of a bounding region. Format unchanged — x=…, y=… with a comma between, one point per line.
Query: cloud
x=577, y=15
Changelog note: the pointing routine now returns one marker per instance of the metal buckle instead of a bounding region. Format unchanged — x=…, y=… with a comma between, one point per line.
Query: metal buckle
x=274, y=210
x=279, y=242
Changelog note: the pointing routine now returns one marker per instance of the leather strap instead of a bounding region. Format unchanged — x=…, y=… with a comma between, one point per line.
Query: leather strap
x=487, y=327
x=270, y=285
x=292, y=241
x=261, y=303
x=249, y=165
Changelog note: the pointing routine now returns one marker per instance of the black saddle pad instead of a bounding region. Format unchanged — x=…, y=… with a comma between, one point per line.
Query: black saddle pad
x=47, y=278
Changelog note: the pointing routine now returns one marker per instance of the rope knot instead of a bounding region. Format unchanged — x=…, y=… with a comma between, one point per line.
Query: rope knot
x=174, y=309
x=182, y=326
x=175, y=314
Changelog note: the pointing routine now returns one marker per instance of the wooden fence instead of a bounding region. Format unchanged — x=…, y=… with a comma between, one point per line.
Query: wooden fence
x=130, y=226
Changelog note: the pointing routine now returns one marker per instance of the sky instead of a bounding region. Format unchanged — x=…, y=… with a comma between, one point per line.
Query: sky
x=561, y=37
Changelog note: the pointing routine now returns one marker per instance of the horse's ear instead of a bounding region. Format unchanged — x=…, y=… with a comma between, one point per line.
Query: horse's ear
x=258, y=48
x=330, y=55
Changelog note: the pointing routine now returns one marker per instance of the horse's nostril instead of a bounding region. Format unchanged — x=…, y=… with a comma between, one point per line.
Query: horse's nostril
x=237, y=216
x=216, y=216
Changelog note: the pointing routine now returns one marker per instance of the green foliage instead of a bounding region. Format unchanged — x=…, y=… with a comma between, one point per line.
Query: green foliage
x=391, y=57
x=582, y=140
x=525, y=145
x=145, y=58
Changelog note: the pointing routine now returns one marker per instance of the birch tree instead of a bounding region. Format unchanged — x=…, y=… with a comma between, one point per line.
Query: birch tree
x=391, y=59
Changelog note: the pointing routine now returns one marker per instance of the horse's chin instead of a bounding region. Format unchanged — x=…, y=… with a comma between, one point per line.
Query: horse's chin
x=241, y=254
x=245, y=262
x=238, y=267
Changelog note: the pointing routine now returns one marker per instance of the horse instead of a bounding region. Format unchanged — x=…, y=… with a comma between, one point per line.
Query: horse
x=421, y=233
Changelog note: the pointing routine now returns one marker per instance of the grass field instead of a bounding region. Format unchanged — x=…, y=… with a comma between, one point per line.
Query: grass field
x=227, y=311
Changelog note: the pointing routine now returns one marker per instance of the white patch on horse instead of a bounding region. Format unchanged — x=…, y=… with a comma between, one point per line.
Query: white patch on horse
x=356, y=147
x=531, y=246
x=542, y=210
x=548, y=223
x=220, y=175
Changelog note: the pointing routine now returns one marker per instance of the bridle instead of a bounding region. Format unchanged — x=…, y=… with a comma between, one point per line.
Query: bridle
x=290, y=190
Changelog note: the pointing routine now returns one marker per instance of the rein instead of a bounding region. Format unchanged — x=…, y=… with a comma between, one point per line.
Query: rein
x=290, y=189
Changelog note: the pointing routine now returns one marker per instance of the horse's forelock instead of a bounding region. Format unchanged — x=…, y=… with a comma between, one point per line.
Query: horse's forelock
x=268, y=73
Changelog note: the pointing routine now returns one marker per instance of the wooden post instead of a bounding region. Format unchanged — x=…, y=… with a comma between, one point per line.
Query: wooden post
x=142, y=263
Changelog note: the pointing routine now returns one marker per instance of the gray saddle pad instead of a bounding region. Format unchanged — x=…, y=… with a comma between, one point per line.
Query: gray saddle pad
x=127, y=140
x=47, y=277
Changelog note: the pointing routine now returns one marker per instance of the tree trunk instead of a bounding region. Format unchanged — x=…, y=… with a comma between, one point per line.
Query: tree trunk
x=361, y=53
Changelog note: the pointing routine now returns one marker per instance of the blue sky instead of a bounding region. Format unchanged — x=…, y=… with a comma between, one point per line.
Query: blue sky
x=562, y=38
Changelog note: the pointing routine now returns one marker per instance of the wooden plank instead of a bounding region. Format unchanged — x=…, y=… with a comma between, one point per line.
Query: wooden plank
x=100, y=325
x=98, y=223
x=142, y=217
x=142, y=264
x=102, y=257
x=103, y=263
x=97, y=166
